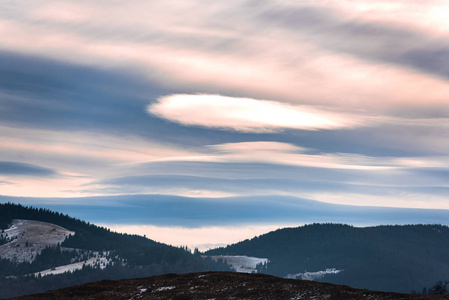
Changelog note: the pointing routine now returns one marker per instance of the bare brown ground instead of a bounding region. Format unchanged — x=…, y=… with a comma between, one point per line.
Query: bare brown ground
x=215, y=285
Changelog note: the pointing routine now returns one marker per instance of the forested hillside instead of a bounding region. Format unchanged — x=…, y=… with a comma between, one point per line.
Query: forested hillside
x=128, y=255
x=388, y=258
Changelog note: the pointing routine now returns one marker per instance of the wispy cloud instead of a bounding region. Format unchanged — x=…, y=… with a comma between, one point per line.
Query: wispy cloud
x=380, y=198
x=288, y=154
x=367, y=62
x=23, y=169
x=280, y=153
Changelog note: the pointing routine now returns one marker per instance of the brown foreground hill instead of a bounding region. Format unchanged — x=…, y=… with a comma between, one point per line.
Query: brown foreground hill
x=216, y=285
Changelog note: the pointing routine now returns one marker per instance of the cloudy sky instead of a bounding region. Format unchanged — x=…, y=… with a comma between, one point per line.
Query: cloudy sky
x=198, y=122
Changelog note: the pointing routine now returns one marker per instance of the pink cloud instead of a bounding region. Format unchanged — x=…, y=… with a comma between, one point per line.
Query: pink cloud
x=265, y=63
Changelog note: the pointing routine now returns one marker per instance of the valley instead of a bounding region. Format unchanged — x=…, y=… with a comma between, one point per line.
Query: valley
x=241, y=263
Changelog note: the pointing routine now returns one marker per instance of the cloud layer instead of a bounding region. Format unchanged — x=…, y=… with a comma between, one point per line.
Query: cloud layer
x=224, y=102
x=359, y=55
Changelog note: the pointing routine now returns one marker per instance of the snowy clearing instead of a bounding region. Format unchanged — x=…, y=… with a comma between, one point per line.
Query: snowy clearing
x=102, y=261
x=241, y=263
x=313, y=275
x=29, y=238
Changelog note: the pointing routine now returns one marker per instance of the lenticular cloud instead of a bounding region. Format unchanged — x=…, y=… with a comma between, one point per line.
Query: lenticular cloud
x=245, y=114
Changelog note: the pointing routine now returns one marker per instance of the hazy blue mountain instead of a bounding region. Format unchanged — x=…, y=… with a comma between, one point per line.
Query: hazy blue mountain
x=169, y=210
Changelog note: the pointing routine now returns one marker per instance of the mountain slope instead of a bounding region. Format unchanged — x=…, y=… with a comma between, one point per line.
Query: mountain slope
x=220, y=285
x=28, y=239
x=388, y=258
x=103, y=254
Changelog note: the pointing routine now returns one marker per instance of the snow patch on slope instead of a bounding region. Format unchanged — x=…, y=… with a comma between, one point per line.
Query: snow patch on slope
x=313, y=275
x=29, y=238
x=102, y=261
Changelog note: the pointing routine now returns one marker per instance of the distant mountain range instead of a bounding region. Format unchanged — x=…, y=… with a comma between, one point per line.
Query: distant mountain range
x=39, y=247
x=169, y=210
x=387, y=258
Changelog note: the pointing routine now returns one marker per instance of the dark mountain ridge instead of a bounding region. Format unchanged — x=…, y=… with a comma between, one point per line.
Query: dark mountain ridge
x=387, y=258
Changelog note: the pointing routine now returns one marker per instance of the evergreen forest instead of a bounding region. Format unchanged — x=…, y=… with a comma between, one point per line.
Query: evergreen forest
x=386, y=258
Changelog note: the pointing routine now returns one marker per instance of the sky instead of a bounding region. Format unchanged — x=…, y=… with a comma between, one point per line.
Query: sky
x=203, y=123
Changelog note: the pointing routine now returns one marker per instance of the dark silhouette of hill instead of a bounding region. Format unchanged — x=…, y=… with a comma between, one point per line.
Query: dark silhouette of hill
x=129, y=256
x=216, y=285
x=385, y=258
